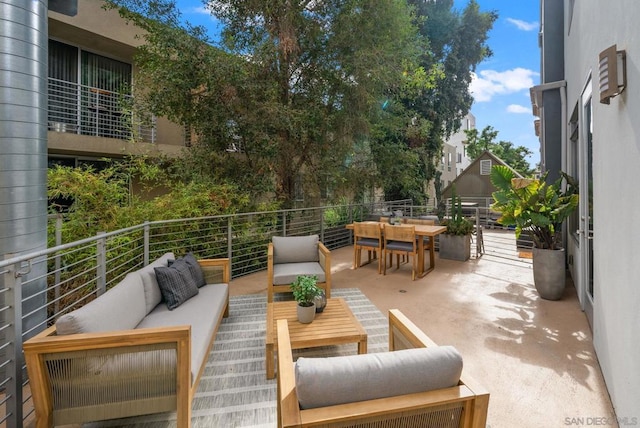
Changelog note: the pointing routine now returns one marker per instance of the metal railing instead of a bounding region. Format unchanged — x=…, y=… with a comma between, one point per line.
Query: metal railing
x=86, y=110
x=37, y=288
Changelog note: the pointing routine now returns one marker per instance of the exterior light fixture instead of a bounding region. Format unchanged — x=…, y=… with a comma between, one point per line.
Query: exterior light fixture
x=613, y=73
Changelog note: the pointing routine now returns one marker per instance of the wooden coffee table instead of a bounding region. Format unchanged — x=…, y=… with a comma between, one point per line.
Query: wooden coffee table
x=336, y=325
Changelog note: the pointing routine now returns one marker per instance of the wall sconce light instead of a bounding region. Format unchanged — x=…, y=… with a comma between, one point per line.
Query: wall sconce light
x=613, y=73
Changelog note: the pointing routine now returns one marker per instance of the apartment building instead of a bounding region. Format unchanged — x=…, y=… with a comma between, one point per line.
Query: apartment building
x=91, y=75
x=588, y=103
x=454, y=155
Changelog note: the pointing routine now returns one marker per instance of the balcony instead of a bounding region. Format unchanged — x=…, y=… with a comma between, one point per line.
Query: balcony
x=535, y=357
x=85, y=110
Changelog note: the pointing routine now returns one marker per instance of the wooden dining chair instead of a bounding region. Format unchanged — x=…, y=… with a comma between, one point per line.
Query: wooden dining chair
x=426, y=240
x=367, y=236
x=401, y=241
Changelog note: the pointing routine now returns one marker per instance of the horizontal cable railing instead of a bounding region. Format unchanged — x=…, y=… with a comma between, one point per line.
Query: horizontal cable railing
x=86, y=110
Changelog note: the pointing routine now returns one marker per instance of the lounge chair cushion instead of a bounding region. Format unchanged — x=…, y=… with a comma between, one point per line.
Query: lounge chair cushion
x=322, y=382
x=120, y=308
x=288, y=272
x=295, y=249
x=152, y=294
x=176, y=283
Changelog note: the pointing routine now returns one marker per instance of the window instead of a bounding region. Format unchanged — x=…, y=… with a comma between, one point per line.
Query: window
x=485, y=167
x=459, y=159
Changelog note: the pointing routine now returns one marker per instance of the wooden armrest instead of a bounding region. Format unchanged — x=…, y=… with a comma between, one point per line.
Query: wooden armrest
x=324, y=256
x=410, y=332
x=385, y=406
x=222, y=264
x=46, y=342
x=287, y=397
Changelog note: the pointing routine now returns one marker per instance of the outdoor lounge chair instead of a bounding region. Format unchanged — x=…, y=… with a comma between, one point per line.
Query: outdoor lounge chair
x=456, y=403
x=291, y=256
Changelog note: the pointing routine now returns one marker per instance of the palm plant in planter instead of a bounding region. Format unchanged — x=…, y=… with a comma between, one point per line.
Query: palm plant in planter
x=535, y=207
x=305, y=289
x=455, y=242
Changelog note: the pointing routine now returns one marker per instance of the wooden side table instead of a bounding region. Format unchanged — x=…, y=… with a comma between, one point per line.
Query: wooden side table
x=336, y=325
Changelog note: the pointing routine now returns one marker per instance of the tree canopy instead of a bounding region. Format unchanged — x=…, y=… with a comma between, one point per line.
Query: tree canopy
x=352, y=94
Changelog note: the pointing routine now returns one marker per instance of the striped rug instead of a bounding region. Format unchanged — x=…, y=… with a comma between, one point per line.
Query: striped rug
x=233, y=390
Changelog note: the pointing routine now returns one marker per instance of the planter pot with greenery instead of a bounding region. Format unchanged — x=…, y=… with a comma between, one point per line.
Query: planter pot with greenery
x=537, y=208
x=305, y=290
x=455, y=242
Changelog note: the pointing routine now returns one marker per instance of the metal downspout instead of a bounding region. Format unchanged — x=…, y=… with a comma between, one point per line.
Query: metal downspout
x=23, y=154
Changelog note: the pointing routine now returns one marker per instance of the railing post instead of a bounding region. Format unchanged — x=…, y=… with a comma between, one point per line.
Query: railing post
x=229, y=239
x=58, y=264
x=322, y=224
x=284, y=223
x=146, y=243
x=13, y=338
x=101, y=268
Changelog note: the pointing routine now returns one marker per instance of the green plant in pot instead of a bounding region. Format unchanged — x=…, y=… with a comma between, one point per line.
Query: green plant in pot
x=455, y=243
x=537, y=208
x=305, y=289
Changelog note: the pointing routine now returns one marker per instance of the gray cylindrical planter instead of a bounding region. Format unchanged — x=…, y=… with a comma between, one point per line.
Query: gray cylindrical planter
x=306, y=314
x=455, y=247
x=549, y=273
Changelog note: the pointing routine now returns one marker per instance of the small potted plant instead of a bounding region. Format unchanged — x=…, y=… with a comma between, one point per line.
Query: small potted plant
x=305, y=289
x=538, y=208
x=455, y=242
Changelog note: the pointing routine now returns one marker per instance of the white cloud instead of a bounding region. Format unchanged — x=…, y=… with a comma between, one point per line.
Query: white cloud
x=517, y=108
x=523, y=25
x=203, y=10
x=488, y=83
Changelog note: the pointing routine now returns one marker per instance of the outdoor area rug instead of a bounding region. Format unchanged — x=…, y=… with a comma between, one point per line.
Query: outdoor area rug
x=233, y=390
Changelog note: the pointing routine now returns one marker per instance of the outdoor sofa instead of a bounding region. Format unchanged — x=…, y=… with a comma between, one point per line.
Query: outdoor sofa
x=410, y=386
x=126, y=353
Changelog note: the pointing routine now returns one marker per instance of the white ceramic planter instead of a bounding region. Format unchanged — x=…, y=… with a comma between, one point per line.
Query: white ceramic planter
x=306, y=314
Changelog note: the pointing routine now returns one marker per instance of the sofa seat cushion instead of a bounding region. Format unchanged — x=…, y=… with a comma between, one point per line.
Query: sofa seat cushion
x=295, y=249
x=152, y=294
x=288, y=272
x=201, y=312
x=322, y=382
x=121, y=308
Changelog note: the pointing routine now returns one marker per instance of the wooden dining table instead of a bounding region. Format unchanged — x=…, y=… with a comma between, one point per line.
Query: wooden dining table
x=422, y=230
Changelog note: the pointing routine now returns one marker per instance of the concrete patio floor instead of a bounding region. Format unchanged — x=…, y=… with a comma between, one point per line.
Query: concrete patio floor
x=535, y=356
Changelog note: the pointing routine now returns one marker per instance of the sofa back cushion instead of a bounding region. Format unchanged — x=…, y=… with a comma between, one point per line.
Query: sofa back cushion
x=152, y=294
x=120, y=308
x=295, y=249
x=322, y=382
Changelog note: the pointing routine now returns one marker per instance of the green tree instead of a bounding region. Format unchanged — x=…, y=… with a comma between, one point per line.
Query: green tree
x=515, y=157
x=454, y=43
x=294, y=85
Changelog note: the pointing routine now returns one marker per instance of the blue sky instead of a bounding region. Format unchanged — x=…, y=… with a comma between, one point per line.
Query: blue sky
x=501, y=84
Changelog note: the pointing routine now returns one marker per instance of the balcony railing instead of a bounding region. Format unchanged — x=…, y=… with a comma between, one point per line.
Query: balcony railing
x=86, y=110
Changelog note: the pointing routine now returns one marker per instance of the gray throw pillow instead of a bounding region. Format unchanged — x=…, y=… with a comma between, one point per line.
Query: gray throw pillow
x=176, y=283
x=196, y=270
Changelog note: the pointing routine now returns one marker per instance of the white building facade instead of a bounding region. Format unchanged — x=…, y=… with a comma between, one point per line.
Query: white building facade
x=590, y=128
